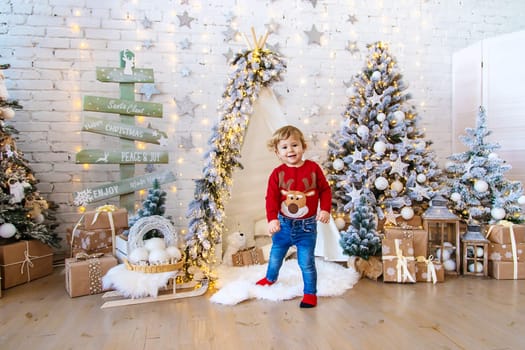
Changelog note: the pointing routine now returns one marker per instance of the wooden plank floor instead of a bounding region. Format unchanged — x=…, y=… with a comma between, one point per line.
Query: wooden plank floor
x=461, y=313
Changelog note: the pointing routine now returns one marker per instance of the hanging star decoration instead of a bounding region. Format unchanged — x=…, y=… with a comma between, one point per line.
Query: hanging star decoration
x=186, y=142
x=272, y=27
x=347, y=83
x=228, y=55
x=420, y=191
x=149, y=90
x=185, y=44
x=398, y=167
x=352, y=19
x=391, y=217
x=229, y=34
x=147, y=44
x=354, y=194
x=314, y=139
x=185, y=72
x=275, y=48
x=186, y=106
x=185, y=20
x=314, y=111
x=314, y=36
x=375, y=98
x=163, y=141
x=146, y=23
x=356, y=156
x=351, y=46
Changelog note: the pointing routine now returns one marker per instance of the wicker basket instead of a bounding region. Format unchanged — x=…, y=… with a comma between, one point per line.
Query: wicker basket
x=135, y=240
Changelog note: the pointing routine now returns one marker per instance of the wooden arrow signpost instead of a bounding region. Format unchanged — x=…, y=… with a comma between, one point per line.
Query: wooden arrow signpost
x=126, y=130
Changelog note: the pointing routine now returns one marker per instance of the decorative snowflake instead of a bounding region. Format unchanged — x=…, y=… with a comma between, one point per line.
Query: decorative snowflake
x=83, y=197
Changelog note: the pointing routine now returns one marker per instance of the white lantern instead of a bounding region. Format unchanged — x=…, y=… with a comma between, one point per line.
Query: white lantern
x=338, y=164
x=421, y=178
x=481, y=186
x=397, y=186
x=399, y=116
x=362, y=131
x=498, y=213
x=380, y=147
x=340, y=223
x=381, y=117
x=7, y=230
x=407, y=213
x=381, y=183
x=455, y=197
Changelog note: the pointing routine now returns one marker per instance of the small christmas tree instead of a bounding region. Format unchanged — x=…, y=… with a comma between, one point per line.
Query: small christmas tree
x=476, y=186
x=24, y=214
x=380, y=152
x=154, y=204
x=361, y=238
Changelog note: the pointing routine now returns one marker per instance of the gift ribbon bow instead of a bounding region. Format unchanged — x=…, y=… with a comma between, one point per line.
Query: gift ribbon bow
x=431, y=268
x=403, y=274
x=510, y=225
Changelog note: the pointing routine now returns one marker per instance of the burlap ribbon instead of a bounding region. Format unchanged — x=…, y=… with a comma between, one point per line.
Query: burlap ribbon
x=431, y=268
x=109, y=209
x=27, y=263
x=510, y=225
x=403, y=274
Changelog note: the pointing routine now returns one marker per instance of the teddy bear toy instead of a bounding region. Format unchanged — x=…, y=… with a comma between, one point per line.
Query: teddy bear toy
x=236, y=241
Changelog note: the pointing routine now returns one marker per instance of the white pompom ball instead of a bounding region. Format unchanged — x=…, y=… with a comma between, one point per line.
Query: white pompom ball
x=407, y=213
x=155, y=243
x=380, y=147
x=338, y=164
x=381, y=117
x=362, y=131
x=475, y=267
x=481, y=186
x=174, y=253
x=493, y=156
x=521, y=200
x=397, y=186
x=381, y=183
x=479, y=252
x=340, y=223
x=376, y=75
x=421, y=178
x=7, y=230
x=138, y=255
x=158, y=256
x=498, y=213
x=455, y=197
x=399, y=116
x=449, y=265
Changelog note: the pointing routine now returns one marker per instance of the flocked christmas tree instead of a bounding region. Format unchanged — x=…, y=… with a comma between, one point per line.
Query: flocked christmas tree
x=476, y=185
x=154, y=204
x=24, y=214
x=361, y=238
x=380, y=151
x=253, y=69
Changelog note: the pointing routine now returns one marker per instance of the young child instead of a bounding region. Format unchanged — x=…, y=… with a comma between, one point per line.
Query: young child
x=295, y=190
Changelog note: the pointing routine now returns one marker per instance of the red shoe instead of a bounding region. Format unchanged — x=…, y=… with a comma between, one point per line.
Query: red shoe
x=309, y=301
x=264, y=282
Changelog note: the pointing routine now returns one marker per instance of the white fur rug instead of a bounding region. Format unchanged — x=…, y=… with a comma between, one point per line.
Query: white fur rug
x=237, y=284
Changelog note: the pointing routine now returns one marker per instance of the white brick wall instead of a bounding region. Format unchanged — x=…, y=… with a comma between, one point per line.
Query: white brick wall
x=54, y=48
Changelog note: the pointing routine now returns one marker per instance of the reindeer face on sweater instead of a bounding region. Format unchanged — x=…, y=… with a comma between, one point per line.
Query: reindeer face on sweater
x=294, y=206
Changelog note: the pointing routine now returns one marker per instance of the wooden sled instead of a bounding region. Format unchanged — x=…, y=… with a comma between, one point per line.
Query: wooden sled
x=178, y=291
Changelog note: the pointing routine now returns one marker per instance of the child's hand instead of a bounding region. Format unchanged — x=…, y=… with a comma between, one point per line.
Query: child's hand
x=323, y=216
x=274, y=226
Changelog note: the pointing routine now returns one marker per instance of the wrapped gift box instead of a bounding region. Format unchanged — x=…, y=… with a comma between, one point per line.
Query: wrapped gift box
x=398, y=260
x=503, y=252
x=501, y=234
x=424, y=271
x=100, y=219
x=504, y=270
x=91, y=241
x=249, y=256
x=84, y=274
x=419, y=238
x=24, y=261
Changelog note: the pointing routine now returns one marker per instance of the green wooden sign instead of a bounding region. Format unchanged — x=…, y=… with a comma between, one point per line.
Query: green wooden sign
x=99, y=156
x=117, y=75
x=129, y=185
x=125, y=131
x=121, y=106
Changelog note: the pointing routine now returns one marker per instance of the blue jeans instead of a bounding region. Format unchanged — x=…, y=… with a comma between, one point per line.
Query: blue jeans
x=302, y=233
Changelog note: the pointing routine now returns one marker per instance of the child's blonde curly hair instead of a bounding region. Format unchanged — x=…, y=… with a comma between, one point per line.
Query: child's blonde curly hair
x=284, y=133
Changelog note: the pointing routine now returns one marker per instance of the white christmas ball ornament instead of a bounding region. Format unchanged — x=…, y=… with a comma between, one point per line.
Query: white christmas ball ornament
x=407, y=213
x=376, y=75
x=362, y=131
x=338, y=164
x=158, y=256
x=498, y=213
x=455, y=197
x=381, y=117
x=340, y=223
x=449, y=265
x=174, y=253
x=493, y=156
x=155, y=243
x=7, y=230
x=479, y=252
x=381, y=183
x=138, y=255
x=7, y=113
x=521, y=200
x=397, y=186
x=421, y=178
x=399, y=116
x=481, y=186
x=475, y=267
x=380, y=147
